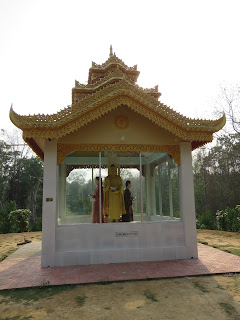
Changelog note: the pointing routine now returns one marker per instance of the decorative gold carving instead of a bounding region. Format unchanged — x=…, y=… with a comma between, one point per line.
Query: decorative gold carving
x=98, y=71
x=116, y=88
x=121, y=122
x=107, y=99
x=116, y=73
x=64, y=149
x=113, y=59
x=110, y=76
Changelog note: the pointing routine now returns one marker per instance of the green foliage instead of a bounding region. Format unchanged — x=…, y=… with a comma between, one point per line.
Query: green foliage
x=5, y=224
x=77, y=199
x=37, y=226
x=19, y=219
x=207, y=221
x=225, y=220
x=229, y=219
x=21, y=177
x=26, y=185
x=217, y=175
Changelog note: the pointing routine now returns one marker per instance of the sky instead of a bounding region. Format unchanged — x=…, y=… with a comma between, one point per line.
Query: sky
x=188, y=48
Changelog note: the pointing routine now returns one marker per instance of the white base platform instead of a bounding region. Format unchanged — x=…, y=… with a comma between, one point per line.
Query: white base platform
x=120, y=242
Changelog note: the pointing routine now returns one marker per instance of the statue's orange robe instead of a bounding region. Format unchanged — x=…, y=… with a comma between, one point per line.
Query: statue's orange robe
x=113, y=203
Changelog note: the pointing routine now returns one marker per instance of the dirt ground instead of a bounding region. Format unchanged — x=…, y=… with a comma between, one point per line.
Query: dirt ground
x=226, y=241
x=9, y=241
x=205, y=298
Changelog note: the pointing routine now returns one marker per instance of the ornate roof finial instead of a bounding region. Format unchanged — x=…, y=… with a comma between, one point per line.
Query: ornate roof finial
x=110, y=51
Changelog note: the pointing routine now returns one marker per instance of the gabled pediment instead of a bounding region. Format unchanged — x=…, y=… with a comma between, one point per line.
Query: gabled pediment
x=108, y=98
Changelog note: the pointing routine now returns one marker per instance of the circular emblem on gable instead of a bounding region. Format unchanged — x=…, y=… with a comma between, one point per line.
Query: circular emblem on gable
x=121, y=122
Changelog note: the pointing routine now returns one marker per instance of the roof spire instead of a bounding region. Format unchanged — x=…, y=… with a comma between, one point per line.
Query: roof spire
x=110, y=51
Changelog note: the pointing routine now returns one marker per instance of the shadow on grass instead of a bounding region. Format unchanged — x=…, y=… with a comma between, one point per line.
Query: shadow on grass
x=33, y=294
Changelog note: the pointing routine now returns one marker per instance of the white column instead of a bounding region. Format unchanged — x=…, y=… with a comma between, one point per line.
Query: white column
x=92, y=180
x=170, y=190
x=49, y=210
x=160, y=190
x=62, y=174
x=148, y=190
x=92, y=191
x=187, y=204
x=141, y=185
x=153, y=191
x=100, y=187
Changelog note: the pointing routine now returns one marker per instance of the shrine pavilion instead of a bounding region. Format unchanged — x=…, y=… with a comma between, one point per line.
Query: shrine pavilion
x=112, y=120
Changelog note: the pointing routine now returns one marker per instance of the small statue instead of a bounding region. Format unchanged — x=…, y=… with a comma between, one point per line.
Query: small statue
x=128, y=199
x=113, y=204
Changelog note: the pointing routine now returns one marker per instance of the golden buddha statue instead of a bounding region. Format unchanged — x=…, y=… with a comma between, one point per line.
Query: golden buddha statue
x=113, y=203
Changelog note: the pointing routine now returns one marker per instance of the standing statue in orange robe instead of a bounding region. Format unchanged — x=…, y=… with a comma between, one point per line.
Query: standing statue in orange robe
x=113, y=203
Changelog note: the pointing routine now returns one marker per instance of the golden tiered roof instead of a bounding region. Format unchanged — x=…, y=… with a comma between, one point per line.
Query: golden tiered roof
x=99, y=70
x=111, y=71
x=110, y=85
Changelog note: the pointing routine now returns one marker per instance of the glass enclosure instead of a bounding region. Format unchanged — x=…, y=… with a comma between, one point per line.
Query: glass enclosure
x=114, y=187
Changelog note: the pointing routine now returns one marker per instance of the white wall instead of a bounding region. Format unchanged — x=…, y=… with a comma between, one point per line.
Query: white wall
x=101, y=243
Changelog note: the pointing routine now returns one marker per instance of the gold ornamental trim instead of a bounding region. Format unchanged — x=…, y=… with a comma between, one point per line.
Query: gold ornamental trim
x=64, y=149
x=111, y=85
x=113, y=59
x=88, y=117
x=121, y=122
x=109, y=98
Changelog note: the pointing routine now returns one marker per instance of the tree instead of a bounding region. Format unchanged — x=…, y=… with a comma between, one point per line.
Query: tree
x=217, y=169
x=12, y=148
x=229, y=101
x=21, y=176
x=73, y=196
x=5, y=159
x=5, y=223
x=19, y=220
x=217, y=175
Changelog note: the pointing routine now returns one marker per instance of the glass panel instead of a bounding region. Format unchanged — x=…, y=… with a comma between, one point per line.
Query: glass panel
x=121, y=187
x=81, y=169
x=78, y=187
x=160, y=187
